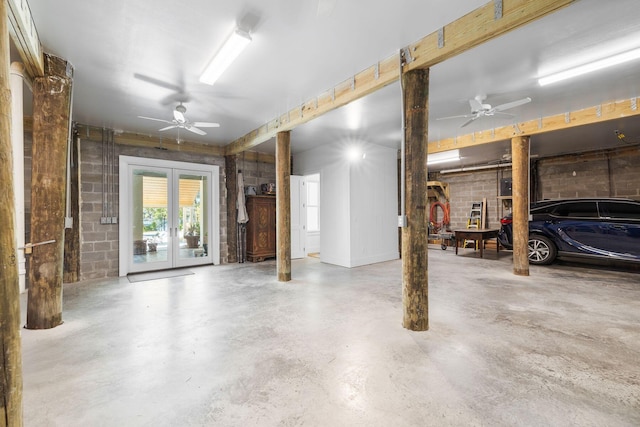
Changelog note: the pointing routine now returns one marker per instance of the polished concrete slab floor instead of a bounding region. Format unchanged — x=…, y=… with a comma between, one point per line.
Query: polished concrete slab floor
x=231, y=346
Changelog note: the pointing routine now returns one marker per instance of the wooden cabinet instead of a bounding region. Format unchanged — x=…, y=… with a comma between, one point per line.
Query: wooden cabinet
x=261, y=228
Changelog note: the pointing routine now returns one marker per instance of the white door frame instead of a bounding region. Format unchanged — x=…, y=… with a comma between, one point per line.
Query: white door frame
x=298, y=196
x=124, y=227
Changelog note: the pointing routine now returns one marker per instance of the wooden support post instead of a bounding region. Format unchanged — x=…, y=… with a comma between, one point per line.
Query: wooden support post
x=415, y=291
x=51, y=118
x=72, y=235
x=520, y=192
x=10, y=347
x=283, y=205
x=232, y=203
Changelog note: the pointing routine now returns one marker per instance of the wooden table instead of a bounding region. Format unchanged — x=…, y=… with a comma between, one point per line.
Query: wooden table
x=477, y=235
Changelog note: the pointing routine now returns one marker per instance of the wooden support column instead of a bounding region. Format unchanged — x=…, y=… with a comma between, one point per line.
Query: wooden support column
x=51, y=119
x=10, y=347
x=232, y=203
x=415, y=291
x=520, y=192
x=283, y=205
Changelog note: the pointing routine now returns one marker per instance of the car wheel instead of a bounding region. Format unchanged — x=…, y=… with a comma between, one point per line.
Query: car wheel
x=542, y=251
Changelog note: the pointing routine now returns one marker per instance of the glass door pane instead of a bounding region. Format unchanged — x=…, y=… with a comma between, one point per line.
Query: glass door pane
x=193, y=217
x=151, y=219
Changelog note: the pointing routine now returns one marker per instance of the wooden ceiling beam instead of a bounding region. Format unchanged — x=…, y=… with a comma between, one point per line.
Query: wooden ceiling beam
x=463, y=34
x=362, y=84
x=477, y=27
x=597, y=114
x=94, y=133
x=25, y=37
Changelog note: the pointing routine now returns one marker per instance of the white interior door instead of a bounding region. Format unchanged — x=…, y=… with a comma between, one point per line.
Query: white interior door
x=298, y=217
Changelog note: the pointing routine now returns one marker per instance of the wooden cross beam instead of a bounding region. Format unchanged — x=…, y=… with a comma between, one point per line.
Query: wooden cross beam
x=463, y=34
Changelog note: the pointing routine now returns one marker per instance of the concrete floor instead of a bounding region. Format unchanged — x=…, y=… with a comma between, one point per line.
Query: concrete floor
x=231, y=346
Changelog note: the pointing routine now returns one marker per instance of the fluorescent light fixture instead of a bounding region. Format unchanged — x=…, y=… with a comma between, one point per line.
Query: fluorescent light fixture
x=443, y=157
x=592, y=66
x=229, y=51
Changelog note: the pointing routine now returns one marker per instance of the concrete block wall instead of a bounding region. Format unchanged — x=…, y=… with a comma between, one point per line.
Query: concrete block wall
x=469, y=187
x=256, y=172
x=601, y=174
x=98, y=242
x=99, y=253
x=612, y=173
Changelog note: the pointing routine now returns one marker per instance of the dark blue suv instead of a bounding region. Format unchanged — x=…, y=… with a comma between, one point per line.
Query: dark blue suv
x=587, y=228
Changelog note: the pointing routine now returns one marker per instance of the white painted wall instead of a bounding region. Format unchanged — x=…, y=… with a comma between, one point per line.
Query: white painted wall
x=335, y=244
x=358, y=215
x=374, y=207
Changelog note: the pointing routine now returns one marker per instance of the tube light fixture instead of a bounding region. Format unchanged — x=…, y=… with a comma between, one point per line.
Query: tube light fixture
x=443, y=157
x=229, y=51
x=590, y=67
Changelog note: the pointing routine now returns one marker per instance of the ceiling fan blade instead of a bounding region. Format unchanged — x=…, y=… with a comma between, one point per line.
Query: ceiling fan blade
x=157, y=120
x=167, y=128
x=178, y=97
x=179, y=116
x=206, y=125
x=461, y=116
x=475, y=104
x=512, y=104
x=193, y=129
x=469, y=121
x=500, y=113
x=157, y=82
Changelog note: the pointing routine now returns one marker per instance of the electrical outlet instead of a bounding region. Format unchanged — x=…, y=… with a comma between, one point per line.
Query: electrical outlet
x=105, y=220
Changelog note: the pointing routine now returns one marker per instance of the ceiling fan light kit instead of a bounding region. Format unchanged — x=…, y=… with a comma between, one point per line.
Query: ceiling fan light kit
x=232, y=47
x=181, y=122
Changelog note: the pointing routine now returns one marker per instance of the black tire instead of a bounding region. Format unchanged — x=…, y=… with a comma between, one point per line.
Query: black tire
x=542, y=251
x=443, y=246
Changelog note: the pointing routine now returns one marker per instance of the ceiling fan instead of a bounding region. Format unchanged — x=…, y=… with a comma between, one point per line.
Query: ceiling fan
x=180, y=121
x=480, y=109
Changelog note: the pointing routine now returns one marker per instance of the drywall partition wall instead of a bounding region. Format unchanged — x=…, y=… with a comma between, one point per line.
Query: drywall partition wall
x=335, y=242
x=374, y=206
x=358, y=218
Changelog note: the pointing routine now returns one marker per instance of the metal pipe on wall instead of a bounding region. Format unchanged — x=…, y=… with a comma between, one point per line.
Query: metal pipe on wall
x=17, y=138
x=402, y=220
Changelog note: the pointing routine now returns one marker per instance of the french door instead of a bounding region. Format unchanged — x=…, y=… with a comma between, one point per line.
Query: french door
x=166, y=216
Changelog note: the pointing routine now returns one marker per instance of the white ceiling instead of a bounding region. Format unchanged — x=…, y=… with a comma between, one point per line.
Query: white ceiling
x=141, y=57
